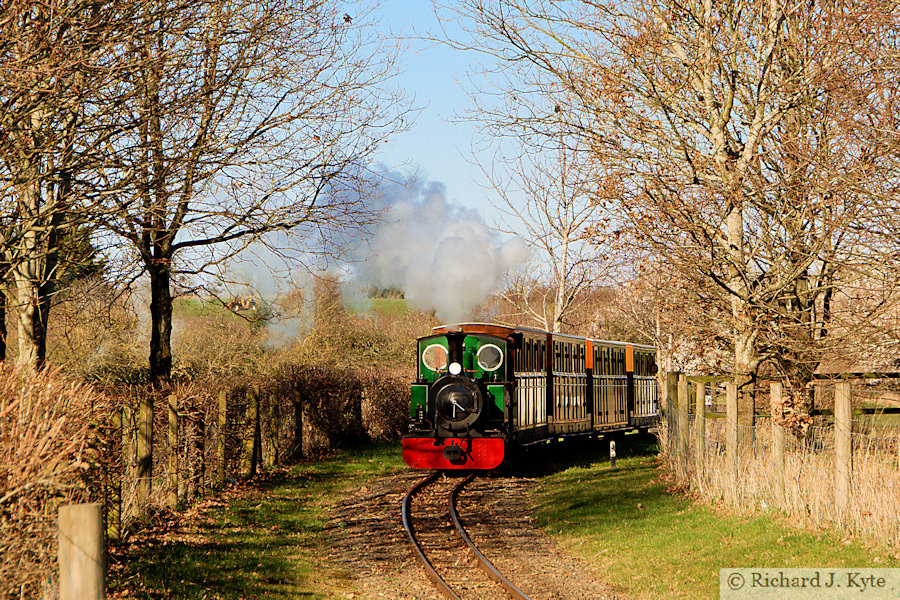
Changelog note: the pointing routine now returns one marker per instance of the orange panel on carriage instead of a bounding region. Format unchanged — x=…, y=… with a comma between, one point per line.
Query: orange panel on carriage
x=453, y=453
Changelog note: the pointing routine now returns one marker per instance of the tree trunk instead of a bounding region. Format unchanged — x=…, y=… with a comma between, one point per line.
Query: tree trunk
x=35, y=260
x=160, y=321
x=33, y=308
x=559, y=300
x=2, y=326
x=746, y=356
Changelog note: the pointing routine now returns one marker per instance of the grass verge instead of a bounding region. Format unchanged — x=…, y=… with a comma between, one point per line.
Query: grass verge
x=259, y=541
x=654, y=544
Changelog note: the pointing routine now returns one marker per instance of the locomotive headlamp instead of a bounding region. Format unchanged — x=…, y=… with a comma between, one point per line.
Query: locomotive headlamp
x=455, y=368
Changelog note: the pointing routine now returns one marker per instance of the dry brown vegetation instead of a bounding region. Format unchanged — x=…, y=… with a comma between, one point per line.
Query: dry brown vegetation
x=809, y=475
x=343, y=380
x=49, y=455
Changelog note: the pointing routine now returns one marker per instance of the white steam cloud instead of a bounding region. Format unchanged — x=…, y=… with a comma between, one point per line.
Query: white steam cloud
x=444, y=257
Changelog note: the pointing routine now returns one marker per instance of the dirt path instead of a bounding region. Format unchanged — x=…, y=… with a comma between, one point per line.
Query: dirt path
x=367, y=539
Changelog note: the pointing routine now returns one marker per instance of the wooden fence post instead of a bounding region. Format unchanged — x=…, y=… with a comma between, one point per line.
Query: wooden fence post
x=144, y=457
x=172, y=495
x=114, y=484
x=82, y=552
x=265, y=426
x=251, y=434
x=731, y=429
x=129, y=466
x=220, y=438
x=199, y=471
x=777, y=446
x=843, y=448
x=671, y=399
x=700, y=430
x=190, y=462
x=746, y=418
x=684, y=428
x=272, y=430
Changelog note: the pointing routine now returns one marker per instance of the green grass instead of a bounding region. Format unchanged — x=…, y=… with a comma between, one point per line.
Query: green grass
x=653, y=544
x=266, y=544
x=191, y=306
x=883, y=420
x=389, y=307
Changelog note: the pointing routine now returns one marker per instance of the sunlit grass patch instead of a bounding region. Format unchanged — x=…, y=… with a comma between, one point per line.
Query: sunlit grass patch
x=264, y=543
x=654, y=544
x=389, y=307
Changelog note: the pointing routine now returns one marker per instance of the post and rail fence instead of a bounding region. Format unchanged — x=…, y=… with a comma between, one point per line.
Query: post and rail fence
x=734, y=442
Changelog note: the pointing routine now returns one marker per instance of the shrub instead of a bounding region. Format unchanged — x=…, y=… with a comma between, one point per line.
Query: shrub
x=385, y=403
x=48, y=457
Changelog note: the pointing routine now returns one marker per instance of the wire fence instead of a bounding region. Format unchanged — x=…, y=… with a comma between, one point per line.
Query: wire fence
x=133, y=452
x=834, y=468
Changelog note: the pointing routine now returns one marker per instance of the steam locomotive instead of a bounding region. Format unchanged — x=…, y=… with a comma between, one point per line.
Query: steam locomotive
x=482, y=388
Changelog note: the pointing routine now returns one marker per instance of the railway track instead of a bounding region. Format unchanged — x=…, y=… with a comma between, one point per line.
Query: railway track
x=441, y=544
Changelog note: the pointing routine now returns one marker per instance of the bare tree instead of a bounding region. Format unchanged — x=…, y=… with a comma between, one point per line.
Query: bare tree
x=57, y=59
x=254, y=117
x=746, y=141
x=548, y=199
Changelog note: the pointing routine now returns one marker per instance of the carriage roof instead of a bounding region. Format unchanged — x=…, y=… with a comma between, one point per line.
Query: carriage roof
x=506, y=332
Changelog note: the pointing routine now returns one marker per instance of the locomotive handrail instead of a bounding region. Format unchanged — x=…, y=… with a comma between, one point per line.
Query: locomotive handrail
x=483, y=563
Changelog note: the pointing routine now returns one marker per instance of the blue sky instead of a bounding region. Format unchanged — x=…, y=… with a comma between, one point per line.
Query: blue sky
x=435, y=74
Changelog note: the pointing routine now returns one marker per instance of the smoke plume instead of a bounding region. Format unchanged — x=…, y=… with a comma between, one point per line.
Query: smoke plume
x=443, y=256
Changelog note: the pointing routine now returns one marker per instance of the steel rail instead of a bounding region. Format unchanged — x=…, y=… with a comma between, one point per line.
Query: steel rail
x=432, y=574
x=483, y=563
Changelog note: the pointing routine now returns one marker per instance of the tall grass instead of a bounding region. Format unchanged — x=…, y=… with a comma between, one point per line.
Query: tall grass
x=809, y=472
x=653, y=544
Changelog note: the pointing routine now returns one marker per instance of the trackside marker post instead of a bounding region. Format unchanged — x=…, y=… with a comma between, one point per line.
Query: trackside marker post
x=612, y=454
